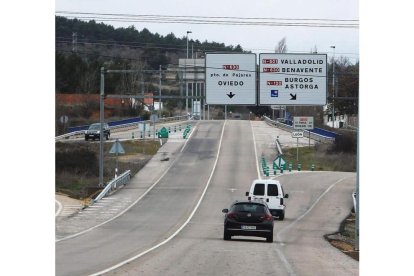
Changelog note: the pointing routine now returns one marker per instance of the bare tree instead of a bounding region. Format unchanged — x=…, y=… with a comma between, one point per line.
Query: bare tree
x=130, y=82
x=281, y=46
x=89, y=81
x=314, y=50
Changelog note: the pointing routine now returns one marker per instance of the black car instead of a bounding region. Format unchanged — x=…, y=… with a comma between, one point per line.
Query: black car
x=94, y=129
x=248, y=218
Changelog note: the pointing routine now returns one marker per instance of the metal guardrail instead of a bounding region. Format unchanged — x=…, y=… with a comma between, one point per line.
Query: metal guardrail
x=314, y=136
x=113, y=184
x=125, y=126
x=355, y=203
x=279, y=149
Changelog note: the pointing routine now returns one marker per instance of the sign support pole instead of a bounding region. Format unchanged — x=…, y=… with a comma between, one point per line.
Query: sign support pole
x=297, y=149
x=116, y=167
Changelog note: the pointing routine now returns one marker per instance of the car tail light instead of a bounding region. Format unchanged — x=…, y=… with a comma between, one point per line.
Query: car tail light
x=281, y=201
x=231, y=215
x=268, y=217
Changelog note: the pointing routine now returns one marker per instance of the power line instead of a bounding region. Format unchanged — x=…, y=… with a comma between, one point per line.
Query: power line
x=211, y=17
x=271, y=22
x=132, y=44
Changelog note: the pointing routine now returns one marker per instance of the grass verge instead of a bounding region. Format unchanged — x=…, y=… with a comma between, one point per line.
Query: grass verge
x=77, y=164
x=321, y=157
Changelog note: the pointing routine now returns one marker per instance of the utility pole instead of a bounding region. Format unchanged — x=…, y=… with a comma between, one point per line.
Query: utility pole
x=101, y=121
x=186, y=84
x=160, y=101
x=74, y=42
x=333, y=87
x=356, y=247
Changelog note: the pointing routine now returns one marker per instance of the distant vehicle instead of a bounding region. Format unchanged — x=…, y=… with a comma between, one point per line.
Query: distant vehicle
x=271, y=191
x=248, y=218
x=94, y=129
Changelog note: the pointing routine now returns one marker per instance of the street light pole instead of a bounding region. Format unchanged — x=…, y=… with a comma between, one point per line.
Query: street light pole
x=333, y=87
x=160, y=101
x=101, y=121
x=188, y=32
x=186, y=84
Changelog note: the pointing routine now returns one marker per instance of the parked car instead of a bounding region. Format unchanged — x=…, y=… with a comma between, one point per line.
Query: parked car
x=248, y=218
x=94, y=129
x=271, y=191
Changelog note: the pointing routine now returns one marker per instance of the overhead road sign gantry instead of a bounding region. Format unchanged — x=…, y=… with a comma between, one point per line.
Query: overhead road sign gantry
x=230, y=79
x=292, y=79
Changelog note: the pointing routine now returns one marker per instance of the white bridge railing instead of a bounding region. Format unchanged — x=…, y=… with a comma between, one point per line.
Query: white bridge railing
x=114, y=184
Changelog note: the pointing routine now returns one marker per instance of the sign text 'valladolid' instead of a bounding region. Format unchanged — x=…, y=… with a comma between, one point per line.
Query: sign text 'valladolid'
x=292, y=79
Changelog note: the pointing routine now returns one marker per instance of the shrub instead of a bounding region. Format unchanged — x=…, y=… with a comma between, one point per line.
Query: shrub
x=346, y=142
x=78, y=160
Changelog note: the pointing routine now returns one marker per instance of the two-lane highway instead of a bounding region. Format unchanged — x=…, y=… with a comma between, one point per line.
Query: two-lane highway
x=318, y=202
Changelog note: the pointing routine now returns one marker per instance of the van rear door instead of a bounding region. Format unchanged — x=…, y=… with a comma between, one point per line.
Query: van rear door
x=259, y=191
x=274, y=195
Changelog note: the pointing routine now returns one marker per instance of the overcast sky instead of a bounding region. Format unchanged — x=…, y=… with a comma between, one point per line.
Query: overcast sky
x=255, y=38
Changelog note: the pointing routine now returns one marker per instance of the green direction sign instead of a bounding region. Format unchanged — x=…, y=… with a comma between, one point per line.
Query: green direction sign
x=279, y=161
x=117, y=148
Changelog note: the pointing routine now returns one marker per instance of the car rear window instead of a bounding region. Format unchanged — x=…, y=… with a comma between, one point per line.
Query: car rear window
x=272, y=190
x=248, y=207
x=259, y=189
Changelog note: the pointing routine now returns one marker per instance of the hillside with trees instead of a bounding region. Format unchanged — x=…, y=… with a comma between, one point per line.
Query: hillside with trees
x=83, y=47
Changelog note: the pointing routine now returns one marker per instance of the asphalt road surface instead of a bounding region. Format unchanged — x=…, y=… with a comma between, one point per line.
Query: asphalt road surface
x=318, y=202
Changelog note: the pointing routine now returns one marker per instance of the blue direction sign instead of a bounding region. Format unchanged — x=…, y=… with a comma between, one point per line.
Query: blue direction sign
x=292, y=79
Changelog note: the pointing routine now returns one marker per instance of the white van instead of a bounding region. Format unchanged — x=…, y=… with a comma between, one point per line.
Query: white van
x=271, y=192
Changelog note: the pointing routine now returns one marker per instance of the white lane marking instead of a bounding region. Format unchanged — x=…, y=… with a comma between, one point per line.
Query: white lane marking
x=288, y=267
x=59, y=208
x=255, y=152
x=191, y=134
x=120, y=214
x=182, y=226
x=279, y=252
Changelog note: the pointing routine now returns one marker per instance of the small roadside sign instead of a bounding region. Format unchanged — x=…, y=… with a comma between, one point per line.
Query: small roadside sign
x=279, y=161
x=64, y=119
x=303, y=122
x=117, y=148
x=154, y=118
x=297, y=134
